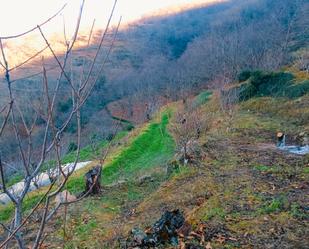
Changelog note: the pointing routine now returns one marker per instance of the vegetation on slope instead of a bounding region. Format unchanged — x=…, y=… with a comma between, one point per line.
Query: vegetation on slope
x=241, y=190
x=275, y=84
x=151, y=148
x=244, y=191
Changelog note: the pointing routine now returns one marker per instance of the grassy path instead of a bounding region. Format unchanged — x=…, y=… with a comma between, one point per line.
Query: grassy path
x=152, y=147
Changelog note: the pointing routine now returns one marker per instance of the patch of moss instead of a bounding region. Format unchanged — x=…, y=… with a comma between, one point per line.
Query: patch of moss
x=216, y=212
x=306, y=170
x=262, y=168
x=275, y=205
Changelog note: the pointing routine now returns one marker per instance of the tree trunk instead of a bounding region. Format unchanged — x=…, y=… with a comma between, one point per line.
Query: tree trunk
x=17, y=222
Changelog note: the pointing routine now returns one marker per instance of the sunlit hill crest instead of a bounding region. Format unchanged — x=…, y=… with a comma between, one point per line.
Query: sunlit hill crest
x=59, y=31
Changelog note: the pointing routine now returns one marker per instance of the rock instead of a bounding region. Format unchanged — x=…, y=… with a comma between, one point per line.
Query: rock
x=118, y=183
x=64, y=196
x=121, y=182
x=145, y=179
x=138, y=236
x=136, y=239
x=164, y=231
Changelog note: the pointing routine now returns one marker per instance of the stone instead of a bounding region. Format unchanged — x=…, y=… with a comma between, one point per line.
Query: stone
x=64, y=196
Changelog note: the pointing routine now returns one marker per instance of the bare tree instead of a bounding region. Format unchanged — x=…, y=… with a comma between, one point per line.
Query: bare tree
x=229, y=97
x=189, y=122
x=51, y=139
x=302, y=61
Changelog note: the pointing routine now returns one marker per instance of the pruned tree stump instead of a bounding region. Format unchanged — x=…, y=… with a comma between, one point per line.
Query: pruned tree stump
x=93, y=181
x=280, y=139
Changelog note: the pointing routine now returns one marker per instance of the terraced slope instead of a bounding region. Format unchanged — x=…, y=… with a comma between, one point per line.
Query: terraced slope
x=241, y=192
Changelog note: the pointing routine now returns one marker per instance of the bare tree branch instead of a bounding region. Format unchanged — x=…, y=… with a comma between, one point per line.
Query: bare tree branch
x=28, y=59
x=100, y=45
x=51, y=138
x=6, y=117
x=57, y=59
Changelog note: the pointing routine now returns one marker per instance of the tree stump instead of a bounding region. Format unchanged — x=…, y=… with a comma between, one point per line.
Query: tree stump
x=280, y=139
x=93, y=181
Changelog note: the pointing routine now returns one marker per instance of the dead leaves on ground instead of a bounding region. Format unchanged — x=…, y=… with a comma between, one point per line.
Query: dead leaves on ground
x=203, y=236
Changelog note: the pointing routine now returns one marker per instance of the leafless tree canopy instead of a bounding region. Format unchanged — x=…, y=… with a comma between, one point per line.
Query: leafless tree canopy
x=21, y=118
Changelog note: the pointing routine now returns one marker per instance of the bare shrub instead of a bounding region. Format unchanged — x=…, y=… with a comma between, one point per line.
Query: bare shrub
x=188, y=124
x=229, y=97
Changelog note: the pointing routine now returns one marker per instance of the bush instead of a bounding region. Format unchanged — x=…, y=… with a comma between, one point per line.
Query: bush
x=298, y=90
x=130, y=127
x=110, y=137
x=247, y=91
x=275, y=84
x=72, y=127
x=64, y=107
x=244, y=75
x=271, y=84
x=72, y=147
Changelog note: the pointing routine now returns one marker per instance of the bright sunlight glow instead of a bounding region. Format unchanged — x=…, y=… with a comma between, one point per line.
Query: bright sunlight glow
x=17, y=16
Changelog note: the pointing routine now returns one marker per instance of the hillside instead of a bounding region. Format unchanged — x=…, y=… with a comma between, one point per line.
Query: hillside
x=161, y=59
x=187, y=130
x=238, y=189
x=242, y=189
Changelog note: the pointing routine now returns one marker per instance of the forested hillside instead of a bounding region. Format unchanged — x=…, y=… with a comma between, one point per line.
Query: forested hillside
x=187, y=130
x=168, y=58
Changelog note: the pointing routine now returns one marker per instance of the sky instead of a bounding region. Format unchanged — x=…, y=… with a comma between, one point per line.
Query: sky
x=19, y=15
